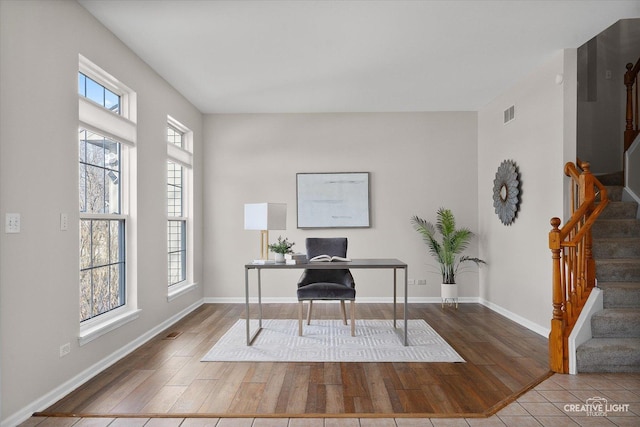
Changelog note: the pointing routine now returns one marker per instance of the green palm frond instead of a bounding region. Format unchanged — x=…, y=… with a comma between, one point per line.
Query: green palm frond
x=454, y=242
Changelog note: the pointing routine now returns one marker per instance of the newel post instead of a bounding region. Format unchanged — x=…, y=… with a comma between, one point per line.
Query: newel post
x=556, y=336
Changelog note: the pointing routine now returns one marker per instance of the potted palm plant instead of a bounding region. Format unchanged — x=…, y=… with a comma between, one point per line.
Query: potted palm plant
x=281, y=247
x=448, y=250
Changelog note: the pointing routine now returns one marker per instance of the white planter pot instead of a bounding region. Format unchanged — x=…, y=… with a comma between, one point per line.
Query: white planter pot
x=449, y=294
x=279, y=258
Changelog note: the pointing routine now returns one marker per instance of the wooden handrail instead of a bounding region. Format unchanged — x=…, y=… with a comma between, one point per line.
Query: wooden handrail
x=574, y=272
x=631, y=82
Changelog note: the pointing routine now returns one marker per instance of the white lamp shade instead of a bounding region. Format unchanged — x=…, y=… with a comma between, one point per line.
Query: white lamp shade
x=265, y=216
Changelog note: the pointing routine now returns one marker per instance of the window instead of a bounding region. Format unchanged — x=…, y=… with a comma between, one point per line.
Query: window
x=178, y=199
x=106, y=137
x=102, y=258
x=99, y=94
x=177, y=224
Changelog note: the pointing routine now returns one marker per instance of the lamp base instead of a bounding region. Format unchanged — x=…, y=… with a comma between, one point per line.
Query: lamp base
x=264, y=244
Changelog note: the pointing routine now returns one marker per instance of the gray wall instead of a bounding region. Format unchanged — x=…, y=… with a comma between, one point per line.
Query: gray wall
x=39, y=293
x=540, y=140
x=418, y=162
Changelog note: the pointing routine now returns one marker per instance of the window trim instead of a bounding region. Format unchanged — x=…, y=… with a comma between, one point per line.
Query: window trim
x=183, y=156
x=120, y=128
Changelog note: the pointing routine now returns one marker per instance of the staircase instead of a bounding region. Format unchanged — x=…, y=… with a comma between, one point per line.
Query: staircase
x=615, y=346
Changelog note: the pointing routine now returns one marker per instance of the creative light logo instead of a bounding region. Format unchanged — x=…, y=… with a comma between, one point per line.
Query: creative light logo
x=596, y=407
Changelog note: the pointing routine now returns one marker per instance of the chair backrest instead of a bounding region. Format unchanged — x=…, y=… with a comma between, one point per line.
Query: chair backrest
x=332, y=246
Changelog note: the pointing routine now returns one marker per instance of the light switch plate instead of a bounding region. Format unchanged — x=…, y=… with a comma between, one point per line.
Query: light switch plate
x=12, y=223
x=64, y=221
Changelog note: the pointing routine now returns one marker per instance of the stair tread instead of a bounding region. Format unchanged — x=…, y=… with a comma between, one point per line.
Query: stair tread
x=622, y=342
x=619, y=260
x=618, y=311
x=626, y=285
x=617, y=239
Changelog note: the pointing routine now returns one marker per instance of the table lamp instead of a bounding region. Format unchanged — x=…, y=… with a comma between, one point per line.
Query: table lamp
x=265, y=217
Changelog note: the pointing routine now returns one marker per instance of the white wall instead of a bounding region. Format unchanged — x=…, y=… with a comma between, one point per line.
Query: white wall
x=39, y=292
x=418, y=162
x=540, y=140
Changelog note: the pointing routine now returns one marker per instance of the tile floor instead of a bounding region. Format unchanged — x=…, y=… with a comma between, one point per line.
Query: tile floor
x=559, y=401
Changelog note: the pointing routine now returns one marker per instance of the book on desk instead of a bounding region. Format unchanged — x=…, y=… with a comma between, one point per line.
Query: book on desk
x=329, y=258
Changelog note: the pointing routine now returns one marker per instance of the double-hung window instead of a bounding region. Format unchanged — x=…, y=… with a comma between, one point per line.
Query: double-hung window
x=102, y=226
x=106, y=137
x=179, y=190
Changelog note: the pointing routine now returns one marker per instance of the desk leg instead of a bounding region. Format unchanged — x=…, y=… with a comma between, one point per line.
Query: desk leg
x=395, y=292
x=250, y=337
x=246, y=298
x=259, y=301
x=406, y=300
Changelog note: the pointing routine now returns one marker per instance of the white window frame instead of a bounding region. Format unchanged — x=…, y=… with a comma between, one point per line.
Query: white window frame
x=120, y=128
x=183, y=156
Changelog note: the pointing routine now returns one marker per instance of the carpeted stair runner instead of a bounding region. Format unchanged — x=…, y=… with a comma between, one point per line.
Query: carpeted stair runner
x=615, y=346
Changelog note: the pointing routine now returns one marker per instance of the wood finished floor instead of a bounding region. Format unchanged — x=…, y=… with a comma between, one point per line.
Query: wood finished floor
x=165, y=377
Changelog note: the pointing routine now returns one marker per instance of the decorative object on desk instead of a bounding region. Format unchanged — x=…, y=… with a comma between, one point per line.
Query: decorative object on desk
x=281, y=248
x=454, y=242
x=329, y=340
x=506, y=192
x=265, y=217
x=333, y=200
x=298, y=258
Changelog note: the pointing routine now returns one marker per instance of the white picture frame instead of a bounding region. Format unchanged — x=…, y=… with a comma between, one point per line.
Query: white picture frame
x=333, y=200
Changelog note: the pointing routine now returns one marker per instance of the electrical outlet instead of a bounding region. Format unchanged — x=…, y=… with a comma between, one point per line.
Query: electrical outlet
x=422, y=282
x=65, y=349
x=411, y=282
x=12, y=223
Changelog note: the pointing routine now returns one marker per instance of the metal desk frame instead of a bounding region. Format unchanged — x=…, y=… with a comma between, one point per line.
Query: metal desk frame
x=367, y=263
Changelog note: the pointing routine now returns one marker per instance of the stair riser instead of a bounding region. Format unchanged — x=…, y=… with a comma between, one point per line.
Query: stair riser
x=614, y=193
x=621, y=298
x=614, y=271
x=603, y=249
x=616, y=228
x=605, y=324
x=605, y=356
x=620, y=210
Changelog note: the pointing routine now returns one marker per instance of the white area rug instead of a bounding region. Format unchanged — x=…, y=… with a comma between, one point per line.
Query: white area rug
x=331, y=341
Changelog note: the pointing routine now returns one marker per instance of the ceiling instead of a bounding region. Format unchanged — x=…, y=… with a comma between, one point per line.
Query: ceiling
x=350, y=56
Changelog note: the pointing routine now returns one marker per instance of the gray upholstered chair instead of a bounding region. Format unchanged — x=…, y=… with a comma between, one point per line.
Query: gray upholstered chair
x=326, y=284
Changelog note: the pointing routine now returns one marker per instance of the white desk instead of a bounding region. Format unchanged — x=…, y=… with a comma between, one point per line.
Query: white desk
x=373, y=263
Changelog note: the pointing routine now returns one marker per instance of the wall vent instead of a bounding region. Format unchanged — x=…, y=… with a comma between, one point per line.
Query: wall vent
x=509, y=114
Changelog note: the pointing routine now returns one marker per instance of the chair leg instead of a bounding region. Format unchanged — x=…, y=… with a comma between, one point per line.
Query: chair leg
x=300, y=311
x=352, y=306
x=344, y=312
x=309, y=312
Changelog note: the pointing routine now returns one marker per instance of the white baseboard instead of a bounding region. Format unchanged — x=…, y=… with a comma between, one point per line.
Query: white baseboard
x=67, y=387
x=516, y=318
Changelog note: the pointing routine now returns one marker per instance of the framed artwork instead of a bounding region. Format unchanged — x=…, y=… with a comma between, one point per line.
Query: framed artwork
x=333, y=200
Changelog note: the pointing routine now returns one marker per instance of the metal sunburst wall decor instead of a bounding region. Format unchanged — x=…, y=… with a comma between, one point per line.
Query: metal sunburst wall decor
x=506, y=192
